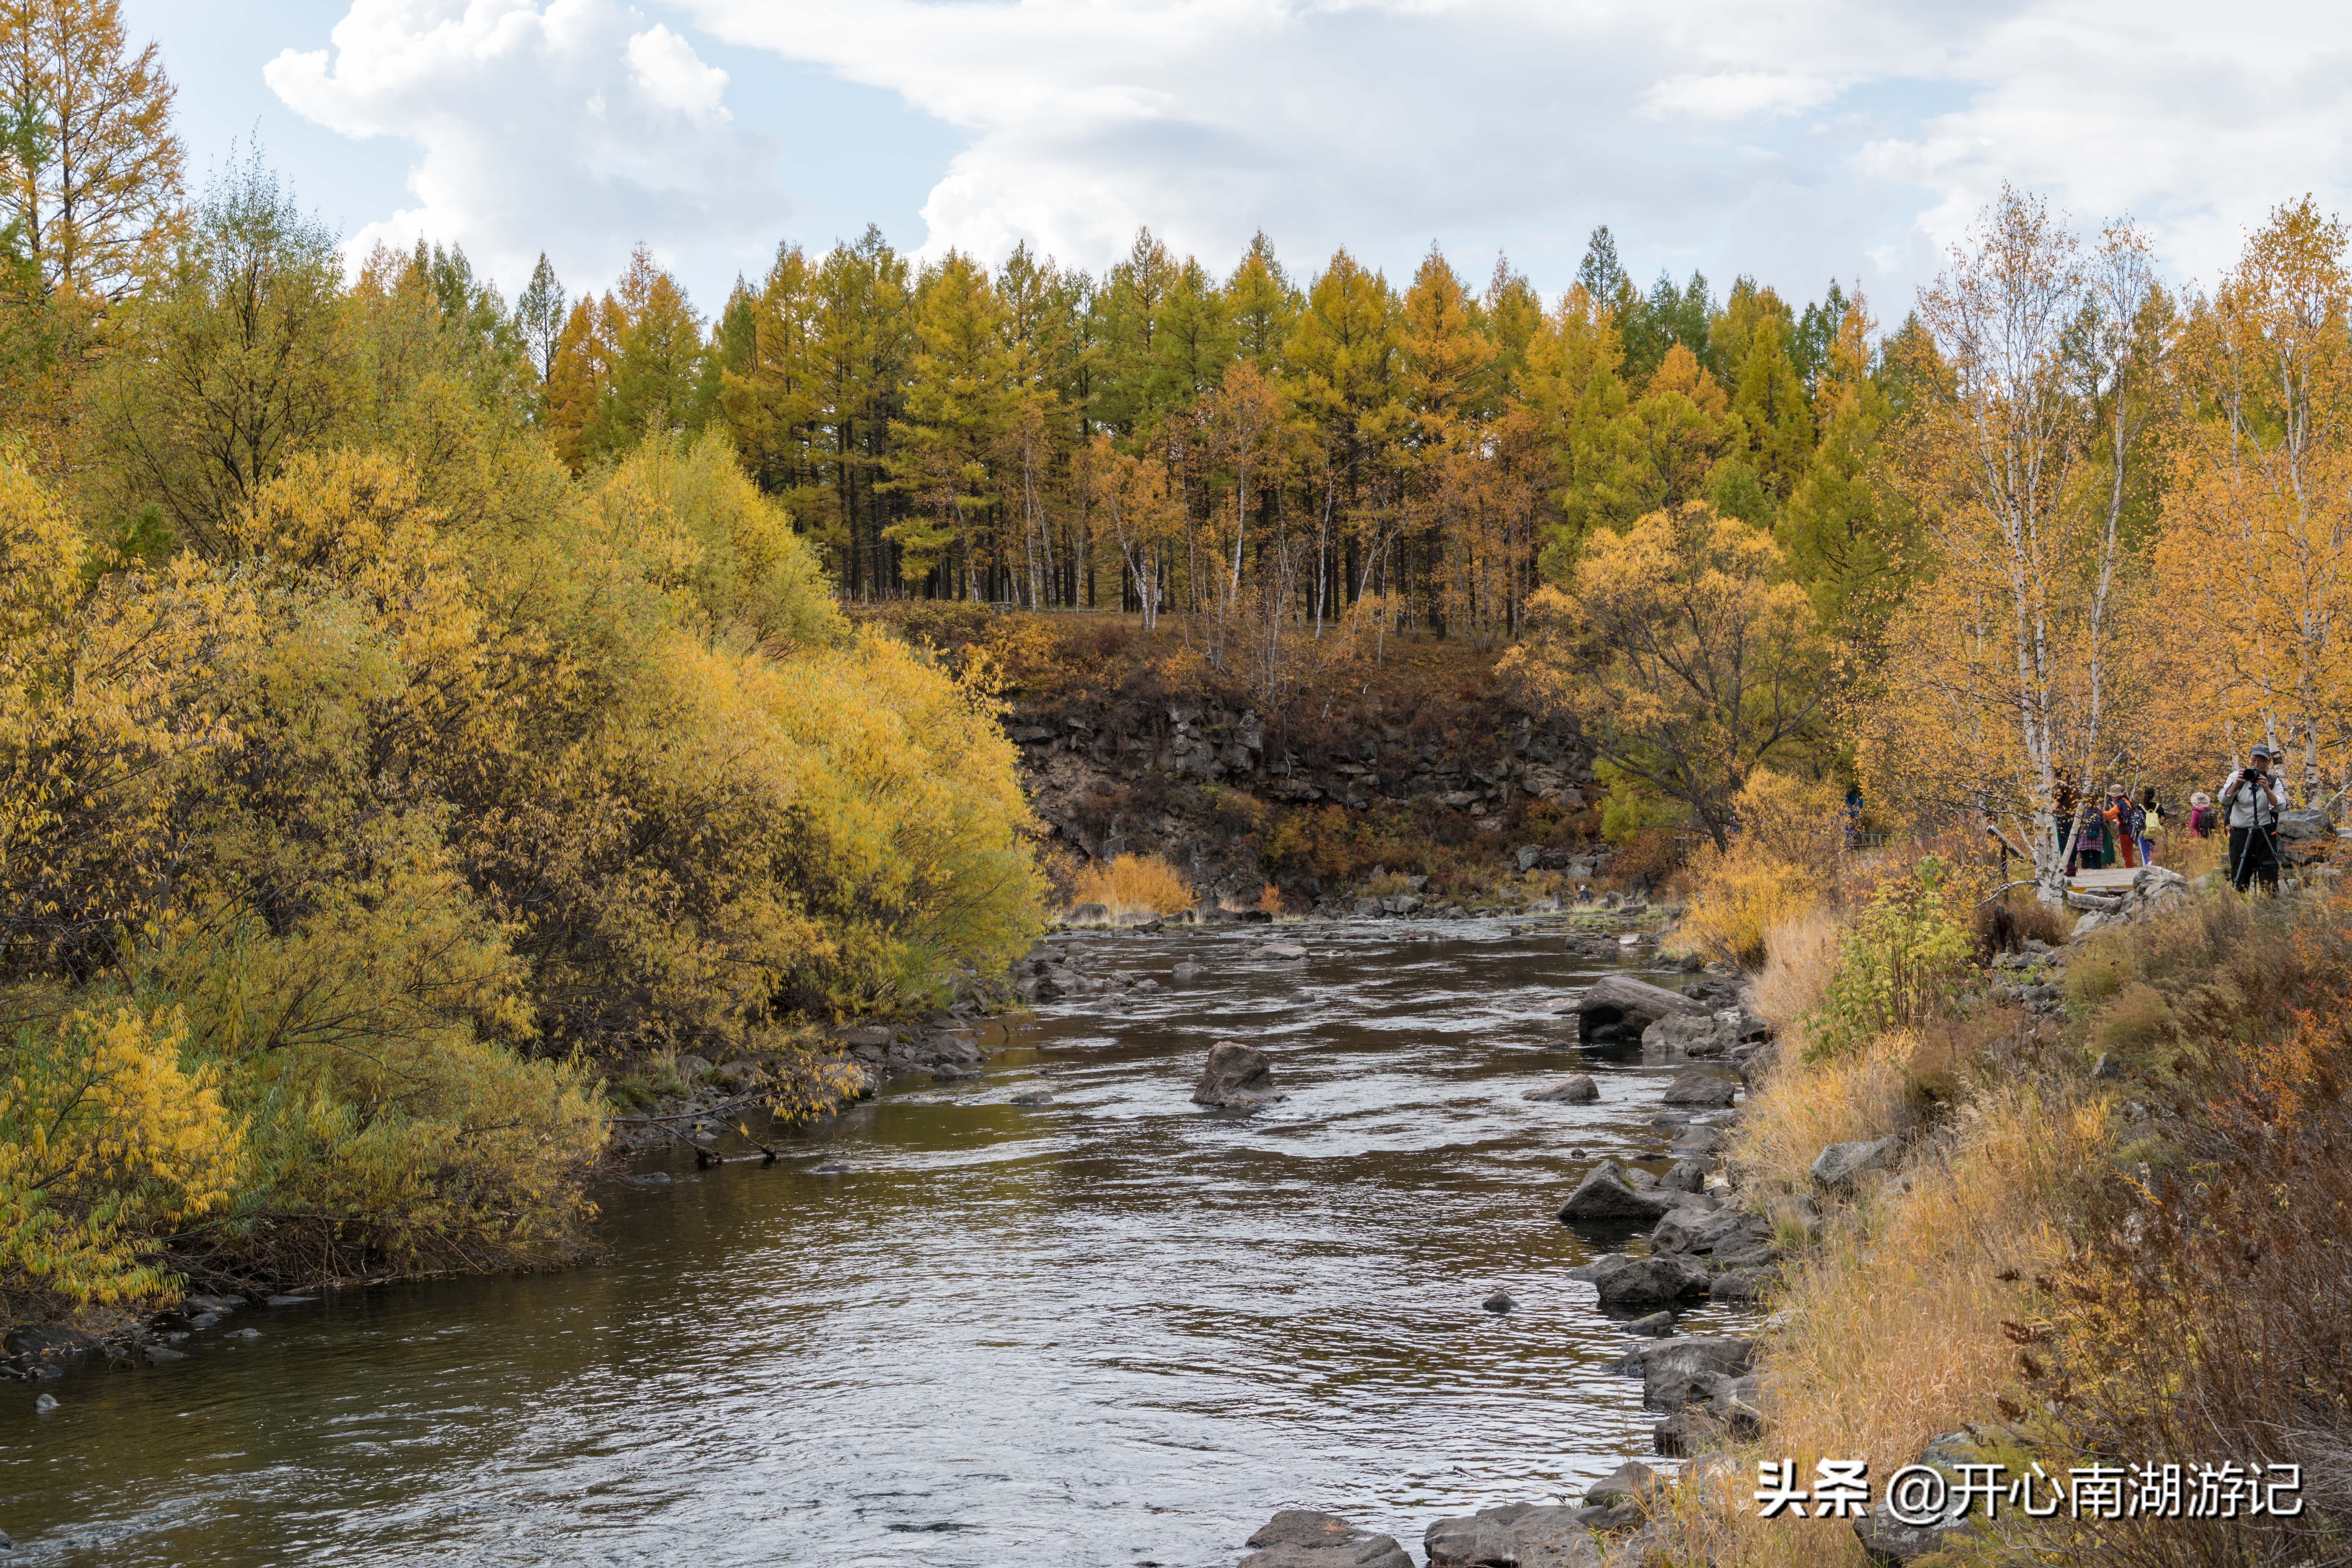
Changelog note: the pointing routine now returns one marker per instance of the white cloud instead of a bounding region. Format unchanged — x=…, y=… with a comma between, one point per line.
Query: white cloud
x=1802, y=140
x=1876, y=130
x=1734, y=95
x=672, y=76
x=569, y=126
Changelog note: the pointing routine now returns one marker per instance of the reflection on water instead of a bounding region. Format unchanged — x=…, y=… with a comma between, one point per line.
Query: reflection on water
x=1108, y=1328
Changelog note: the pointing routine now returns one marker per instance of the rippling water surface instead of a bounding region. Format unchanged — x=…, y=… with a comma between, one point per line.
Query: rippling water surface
x=1111, y=1329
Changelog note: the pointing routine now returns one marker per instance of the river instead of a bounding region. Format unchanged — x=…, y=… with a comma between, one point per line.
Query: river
x=1111, y=1330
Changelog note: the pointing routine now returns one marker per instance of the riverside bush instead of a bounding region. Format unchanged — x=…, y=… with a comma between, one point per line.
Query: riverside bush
x=351, y=843
x=1791, y=835
x=1140, y=883
x=1900, y=962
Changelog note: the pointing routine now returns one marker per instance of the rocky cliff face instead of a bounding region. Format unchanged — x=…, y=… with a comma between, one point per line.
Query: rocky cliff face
x=1197, y=782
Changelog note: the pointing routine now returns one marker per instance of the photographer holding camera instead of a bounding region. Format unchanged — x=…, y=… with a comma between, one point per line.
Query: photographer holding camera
x=2251, y=805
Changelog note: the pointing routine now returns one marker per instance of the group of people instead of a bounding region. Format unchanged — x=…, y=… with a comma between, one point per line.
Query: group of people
x=2119, y=831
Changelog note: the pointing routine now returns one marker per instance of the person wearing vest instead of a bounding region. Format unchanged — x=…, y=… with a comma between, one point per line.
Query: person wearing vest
x=2250, y=803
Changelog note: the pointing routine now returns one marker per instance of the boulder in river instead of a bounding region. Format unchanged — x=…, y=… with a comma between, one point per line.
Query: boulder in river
x=1657, y=1326
x=1235, y=1076
x=1186, y=970
x=1577, y=1089
x=1699, y=1088
x=1279, y=950
x=1607, y=1194
x=1688, y=1369
x=1301, y=1538
x=1655, y=1280
x=1839, y=1166
x=1516, y=1535
x=1692, y=1034
x=1619, y=1007
x=1687, y=1177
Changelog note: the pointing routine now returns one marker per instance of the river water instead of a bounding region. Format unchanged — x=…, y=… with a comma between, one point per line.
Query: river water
x=1111, y=1330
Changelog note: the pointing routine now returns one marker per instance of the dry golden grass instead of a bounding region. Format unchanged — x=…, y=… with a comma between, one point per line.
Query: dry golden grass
x=1892, y=1326
x=1134, y=884
x=1802, y=1106
x=1799, y=955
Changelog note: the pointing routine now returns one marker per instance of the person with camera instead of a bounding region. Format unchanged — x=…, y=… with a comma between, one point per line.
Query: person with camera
x=2250, y=803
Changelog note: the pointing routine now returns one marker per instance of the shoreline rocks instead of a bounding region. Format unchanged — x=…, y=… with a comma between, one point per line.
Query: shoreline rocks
x=1620, y=1007
x=1302, y=1538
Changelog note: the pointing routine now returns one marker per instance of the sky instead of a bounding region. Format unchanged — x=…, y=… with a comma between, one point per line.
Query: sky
x=1798, y=143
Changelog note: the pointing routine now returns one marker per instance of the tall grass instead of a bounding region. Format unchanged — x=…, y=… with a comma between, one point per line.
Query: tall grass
x=1135, y=884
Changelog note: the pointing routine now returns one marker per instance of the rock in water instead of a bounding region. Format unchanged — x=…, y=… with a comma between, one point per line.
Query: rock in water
x=1657, y=1325
x=1235, y=1076
x=1499, y=1303
x=1186, y=970
x=1301, y=1538
x=1032, y=1097
x=1699, y=1088
x=1618, y=1006
x=46, y=1403
x=1577, y=1089
x=1278, y=950
x=1651, y=1281
x=1607, y=1194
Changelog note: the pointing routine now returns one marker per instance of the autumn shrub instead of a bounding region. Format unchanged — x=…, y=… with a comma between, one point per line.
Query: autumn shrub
x=1791, y=835
x=418, y=795
x=1907, y=950
x=1136, y=884
x=109, y=1137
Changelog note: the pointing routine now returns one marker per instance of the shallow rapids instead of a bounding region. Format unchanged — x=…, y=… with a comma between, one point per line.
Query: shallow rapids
x=1109, y=1330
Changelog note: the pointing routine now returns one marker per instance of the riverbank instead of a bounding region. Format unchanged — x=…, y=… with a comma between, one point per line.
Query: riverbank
x=2079, y=1215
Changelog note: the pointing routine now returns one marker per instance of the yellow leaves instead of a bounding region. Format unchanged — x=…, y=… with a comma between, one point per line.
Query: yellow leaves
x=1680, y=652
x=106, y=1137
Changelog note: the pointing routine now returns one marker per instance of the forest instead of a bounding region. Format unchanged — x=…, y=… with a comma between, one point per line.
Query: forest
x=416, y=705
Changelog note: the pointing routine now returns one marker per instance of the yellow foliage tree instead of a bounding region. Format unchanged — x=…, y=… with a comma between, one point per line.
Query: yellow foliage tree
x=1684, y=655
x=2002, y=670
x=2254, y=563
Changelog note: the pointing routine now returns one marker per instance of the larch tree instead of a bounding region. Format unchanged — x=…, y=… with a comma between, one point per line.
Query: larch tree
x=93, y=182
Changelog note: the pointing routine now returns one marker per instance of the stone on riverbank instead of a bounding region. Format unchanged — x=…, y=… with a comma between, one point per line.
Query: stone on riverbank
x=1516, y=1535
x=1700, y=1231
x=1235, y=1076
x=1747, y=1284
x=1630, y=1482
x=1687, y=1177
x=1839, y=1166
x=1657, y=1325
x=1608, y=1193
x=1699, y=1088
x=1301, y=1538
x=1578, y=1089
x=1619, y=1007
